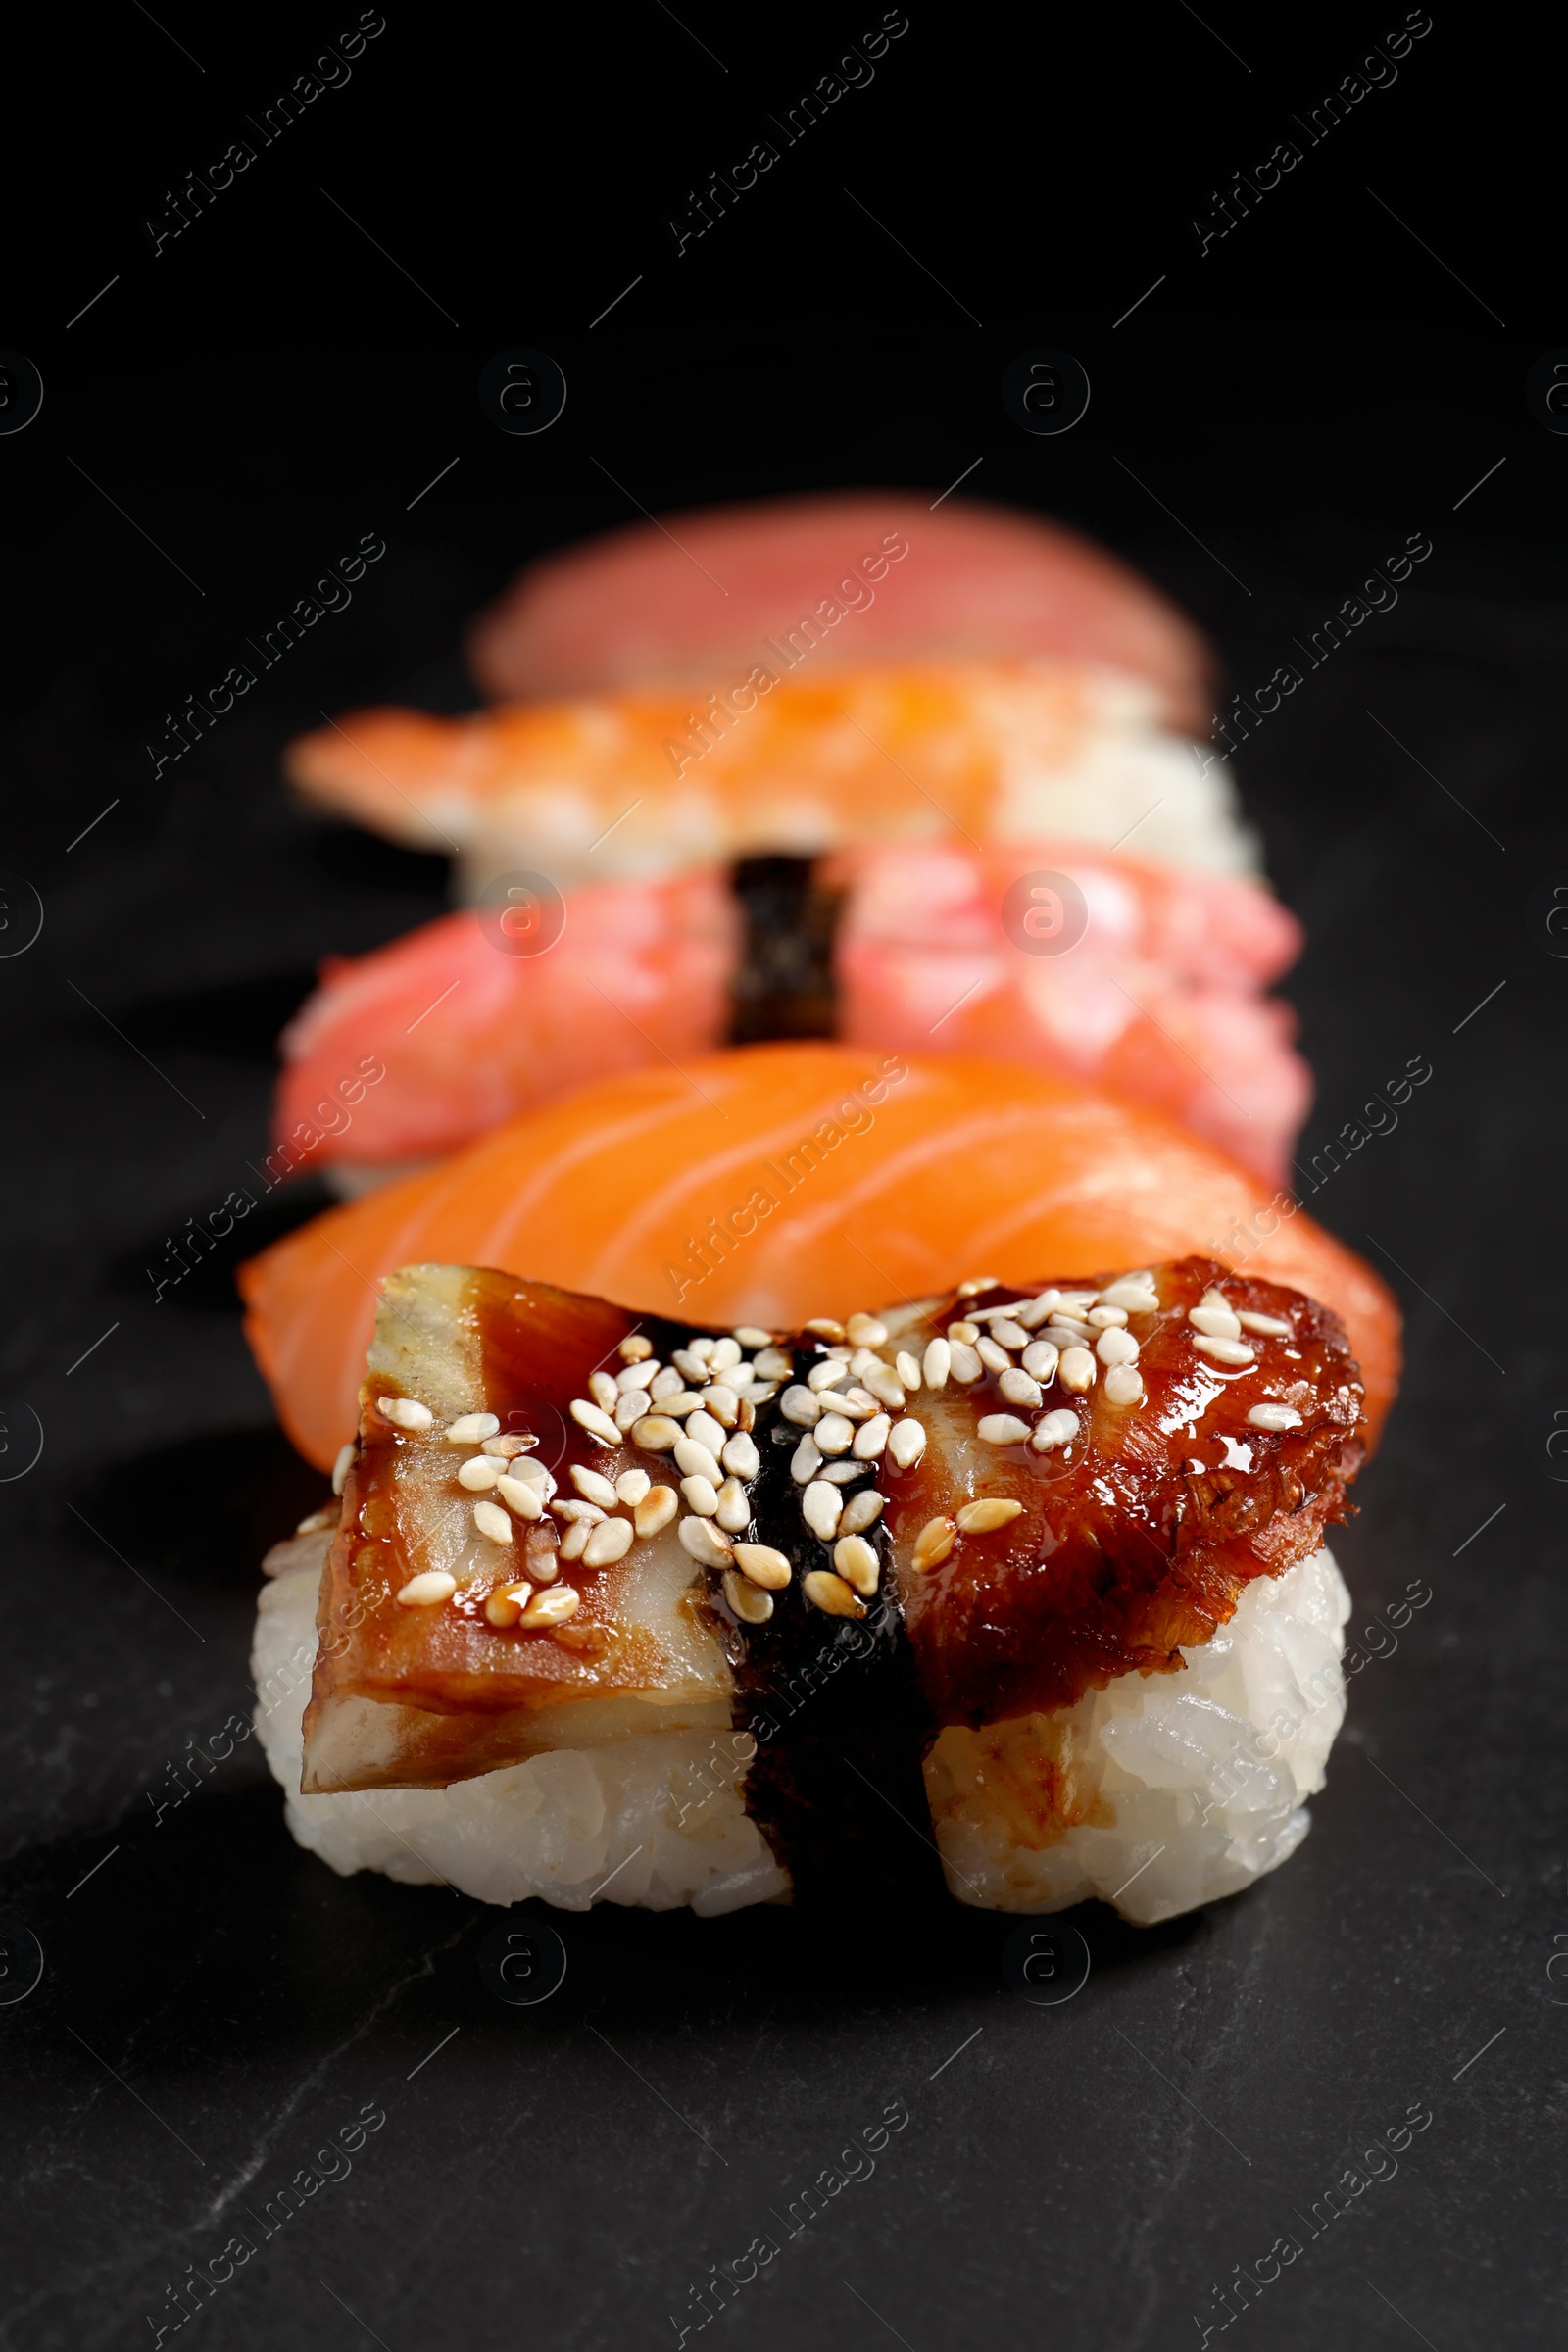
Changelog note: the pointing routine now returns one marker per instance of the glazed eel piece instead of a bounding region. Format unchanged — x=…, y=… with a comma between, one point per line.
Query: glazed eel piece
x=564, y=1523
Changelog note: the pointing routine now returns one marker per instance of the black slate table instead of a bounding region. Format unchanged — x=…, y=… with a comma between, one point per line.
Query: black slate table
x=194, y=2015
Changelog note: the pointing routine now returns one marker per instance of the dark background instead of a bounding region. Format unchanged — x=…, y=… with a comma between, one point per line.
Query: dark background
x=219, y=426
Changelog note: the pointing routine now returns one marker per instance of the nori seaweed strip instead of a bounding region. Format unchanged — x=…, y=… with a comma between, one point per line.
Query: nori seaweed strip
x=836, y=1711
x=785, y=985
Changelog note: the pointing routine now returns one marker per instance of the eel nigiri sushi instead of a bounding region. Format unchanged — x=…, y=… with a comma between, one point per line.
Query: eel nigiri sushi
x=769, y=1182
x=618, y=1605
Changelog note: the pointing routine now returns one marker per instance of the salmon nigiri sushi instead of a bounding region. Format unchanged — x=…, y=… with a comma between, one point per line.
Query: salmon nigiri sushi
x=768, y=1182
x=619, y=1606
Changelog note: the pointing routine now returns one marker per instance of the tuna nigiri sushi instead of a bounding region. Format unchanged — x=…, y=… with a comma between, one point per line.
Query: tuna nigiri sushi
x=615, y=1606
x=875, y=576
x=769, y=1182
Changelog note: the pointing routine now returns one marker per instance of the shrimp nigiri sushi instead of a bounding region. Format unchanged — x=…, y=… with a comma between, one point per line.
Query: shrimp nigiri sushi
x=612, y=1605
x=766, y=1183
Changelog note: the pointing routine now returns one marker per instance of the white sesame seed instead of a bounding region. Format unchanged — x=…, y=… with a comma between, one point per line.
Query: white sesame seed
x=984, y=1517
x=342, y=1466
x=1002, y=1429
x=570, y=1510
x=631, y=1486
x=734, y=1512
x=470, y=1428
x=604, y=1392
x=552, y=1607
x=1117, y=1346
x=1105, y=1318
x=1041, y=1358
x=1008, y=1333
x=823, y=1327
x=802, y=1406
x=655, y=1510
x=480, y=1473
x=1059, y=1428
x=655, y=1433
x=1019, y=1387
x=682, y=1404
x=964, y=1363
x=865, y=1331
x=1269, y=1327
x=1134, y=1292
x=936, y=1363
x=857, y=1564
x=592, y=1488
x=702, y=1345
x=1274, y=1416
x=534, y=1472
x=963, y=1334
x=721, y=1405
x=871, y=1438
x=575, y=1542
x=1124, y=1385
x=723, y=1355
x=772, y=1363
x=746, y=1602
x=906, y=1443
x=854, y=1404
x=907, y=1368
x=690, y=1365
x=701, y=1497
x=844, y=1473
x=976, y=1283
x=543, y=1560
x=521, y=1496
x=751, y=1335
x=1076, y=1303
x=609, y=1541
x=831, y=1595
x=1037, y=1309
x=594, y=1420
x=834, y=1433
x=887, y=1385
x=707, y=1432
x=640, y=1375
x=407, y=1412
x=1067, y=1334
x=668, y=1383
x=1076, y=1370
x=507, y=1449
x=428, y=1589
x=806, y=1461
x=492, y=1521
x=1215, y=1322
x=635, y=1347
x=707, y=1543
x=315, y=1522
x=740, y=1455
x=629, y=1410
x=693, y=1460
x=506, y=1603
x=995, y=1358
x=821, y=1506
x=828, y=1374
x=1225, y=1351
x=862, y=1511
x=763, y=1566
x=932, y=1546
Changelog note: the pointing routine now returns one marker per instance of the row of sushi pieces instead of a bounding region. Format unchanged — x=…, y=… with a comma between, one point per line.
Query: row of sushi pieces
x=845, y=766
x=740, y=1591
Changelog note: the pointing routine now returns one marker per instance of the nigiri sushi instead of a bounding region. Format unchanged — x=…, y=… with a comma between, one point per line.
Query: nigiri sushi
x=883, y=576
x=627, y=786
x=1160, y=998
x=768, y=1182
x=468, y=1030
x=615, y=1606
